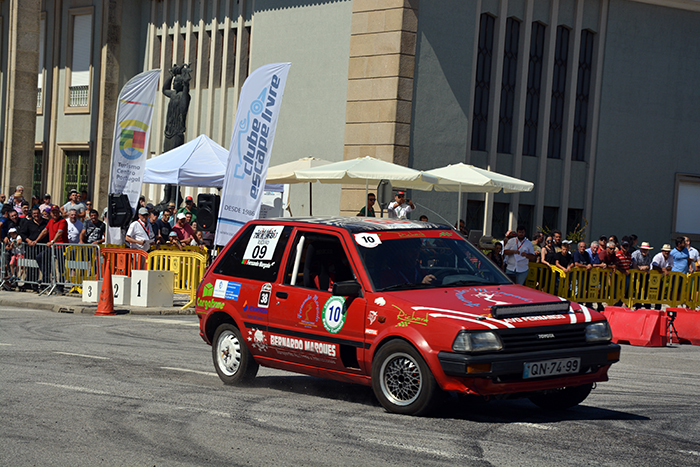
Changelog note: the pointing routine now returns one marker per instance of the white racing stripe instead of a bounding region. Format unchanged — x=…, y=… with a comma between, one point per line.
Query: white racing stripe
x=586, y=313
x=440, y=315
x=479, y=318
x=82, y=355
x=206, y=373
x=76, y=388
x=5, y=344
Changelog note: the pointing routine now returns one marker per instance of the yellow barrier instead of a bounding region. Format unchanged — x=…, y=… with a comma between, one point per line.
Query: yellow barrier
x=188, y=266
x=598, y=285
x=693, y=291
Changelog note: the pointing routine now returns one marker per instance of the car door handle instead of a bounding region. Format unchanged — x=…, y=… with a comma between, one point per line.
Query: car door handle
x=281, y=294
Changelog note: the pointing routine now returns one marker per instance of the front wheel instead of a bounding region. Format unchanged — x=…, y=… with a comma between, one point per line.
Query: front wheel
x=562, y=398
x=232, y=359
x=402, y=381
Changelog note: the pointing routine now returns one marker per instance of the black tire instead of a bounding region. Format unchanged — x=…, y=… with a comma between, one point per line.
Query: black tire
x=402, y=381
x=232, y=359
x=562, y=398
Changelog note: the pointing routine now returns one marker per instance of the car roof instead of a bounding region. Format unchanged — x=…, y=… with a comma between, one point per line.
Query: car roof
x=359, y=224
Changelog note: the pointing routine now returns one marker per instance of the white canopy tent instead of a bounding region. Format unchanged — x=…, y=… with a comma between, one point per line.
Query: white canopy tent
x=200, y=162
x=465, y=178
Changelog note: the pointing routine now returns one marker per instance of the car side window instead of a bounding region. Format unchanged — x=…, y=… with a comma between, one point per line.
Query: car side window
x=256, y=254
x=322, y=262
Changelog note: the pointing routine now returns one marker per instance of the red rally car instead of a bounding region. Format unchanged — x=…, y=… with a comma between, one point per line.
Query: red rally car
x=410, y=308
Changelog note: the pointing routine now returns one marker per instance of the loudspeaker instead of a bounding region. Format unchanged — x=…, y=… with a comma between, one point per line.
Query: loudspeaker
x=119, y=211
x=207, y=211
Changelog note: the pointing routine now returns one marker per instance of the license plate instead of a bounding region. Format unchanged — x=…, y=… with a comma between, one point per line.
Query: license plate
x=560, y=366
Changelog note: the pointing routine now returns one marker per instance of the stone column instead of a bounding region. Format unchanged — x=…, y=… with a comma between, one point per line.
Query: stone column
x=380, y=87
x=108, y=97
x=20, y=110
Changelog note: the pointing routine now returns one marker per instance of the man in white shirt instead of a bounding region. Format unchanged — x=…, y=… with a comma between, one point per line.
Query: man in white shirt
x=400, y=207
x=74, y=226
x=663, y=261
x=694, y=256
x=518, y=253
x=140, y=234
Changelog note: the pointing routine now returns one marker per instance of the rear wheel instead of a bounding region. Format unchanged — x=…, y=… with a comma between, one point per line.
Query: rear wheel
x=562, y=398
x=402, y=381
x=232, y=359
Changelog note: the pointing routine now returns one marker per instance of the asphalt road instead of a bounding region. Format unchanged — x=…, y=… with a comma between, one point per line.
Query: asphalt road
x=141, y=391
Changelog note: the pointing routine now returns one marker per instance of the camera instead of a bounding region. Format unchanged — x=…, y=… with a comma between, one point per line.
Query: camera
x=671, y=314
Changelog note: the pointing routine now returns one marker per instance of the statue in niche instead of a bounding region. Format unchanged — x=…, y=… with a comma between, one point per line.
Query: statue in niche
x=177, y=89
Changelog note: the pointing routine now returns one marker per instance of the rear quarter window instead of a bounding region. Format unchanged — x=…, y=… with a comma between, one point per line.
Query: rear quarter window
x=254, y=263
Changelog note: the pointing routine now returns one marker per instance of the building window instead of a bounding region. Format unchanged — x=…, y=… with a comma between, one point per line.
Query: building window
x=77, y=170
x=475, y=215
x=574, y=220
x=510, y=71
x=483, y=83
x=550, y=218
x=534, y=82
x=499, y=222
x=583, y=86
x=526, y=214
x=80, y=59
x=556, y=117
x=38, y=173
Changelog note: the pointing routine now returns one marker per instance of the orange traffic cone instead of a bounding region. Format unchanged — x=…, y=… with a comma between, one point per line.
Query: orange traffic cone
x=106, y=305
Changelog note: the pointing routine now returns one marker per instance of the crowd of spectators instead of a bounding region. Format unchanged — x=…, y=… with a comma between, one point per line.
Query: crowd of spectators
x=607, y=253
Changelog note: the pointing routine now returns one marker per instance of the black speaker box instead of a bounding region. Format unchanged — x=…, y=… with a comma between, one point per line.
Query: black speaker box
x=119, y=211
x=207, y=211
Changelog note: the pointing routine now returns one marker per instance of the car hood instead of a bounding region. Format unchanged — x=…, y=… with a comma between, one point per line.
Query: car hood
x=471, y=307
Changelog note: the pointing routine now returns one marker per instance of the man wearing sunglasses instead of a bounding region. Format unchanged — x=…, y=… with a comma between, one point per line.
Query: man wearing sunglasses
x=371, y=199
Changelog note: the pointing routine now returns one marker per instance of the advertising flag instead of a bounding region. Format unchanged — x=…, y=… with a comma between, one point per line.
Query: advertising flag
x=131, y=133
x=251, y=144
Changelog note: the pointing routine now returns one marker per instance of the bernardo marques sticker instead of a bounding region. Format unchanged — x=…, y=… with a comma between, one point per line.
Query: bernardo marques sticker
x=261, y=246
x=334, y=314
x=226, y=289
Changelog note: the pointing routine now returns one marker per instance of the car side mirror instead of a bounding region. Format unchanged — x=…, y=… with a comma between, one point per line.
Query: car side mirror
x=347, y=288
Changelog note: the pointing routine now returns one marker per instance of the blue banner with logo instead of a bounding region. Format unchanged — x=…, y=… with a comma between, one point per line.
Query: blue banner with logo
x=251, y=144
x=132, y=131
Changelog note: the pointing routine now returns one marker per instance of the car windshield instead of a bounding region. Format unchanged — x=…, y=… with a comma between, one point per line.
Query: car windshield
x=414, y=263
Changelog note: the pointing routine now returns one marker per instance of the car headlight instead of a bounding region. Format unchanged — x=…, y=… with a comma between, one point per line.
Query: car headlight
x=477, y=342
x=598, y=332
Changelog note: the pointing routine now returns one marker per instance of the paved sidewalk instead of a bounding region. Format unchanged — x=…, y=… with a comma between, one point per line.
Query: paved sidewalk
x=73, y=303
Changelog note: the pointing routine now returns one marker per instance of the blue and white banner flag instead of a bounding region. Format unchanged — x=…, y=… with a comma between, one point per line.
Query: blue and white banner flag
x=251, y=144
x=132, y=131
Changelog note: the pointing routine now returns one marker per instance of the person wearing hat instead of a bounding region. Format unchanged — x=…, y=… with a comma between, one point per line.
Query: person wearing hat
x=74, y=203
x=17, y=202
x=663, y=261
x=56, y=231
x=140, y=233
x=624, y=258
x=184, y=230
x=189, y=207
x=13, y=250
x=400, y=207
x=641, y=259
x=173, y=240
x=46, y=203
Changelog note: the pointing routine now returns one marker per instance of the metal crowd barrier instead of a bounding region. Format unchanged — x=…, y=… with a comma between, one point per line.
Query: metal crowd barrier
x=597, y=285
x=75, y=263
x=188, y=266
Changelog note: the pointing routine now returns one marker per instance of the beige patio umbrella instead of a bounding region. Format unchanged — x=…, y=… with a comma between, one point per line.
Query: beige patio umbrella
x=285, y=173
x=470, y=179
x=363, y=169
